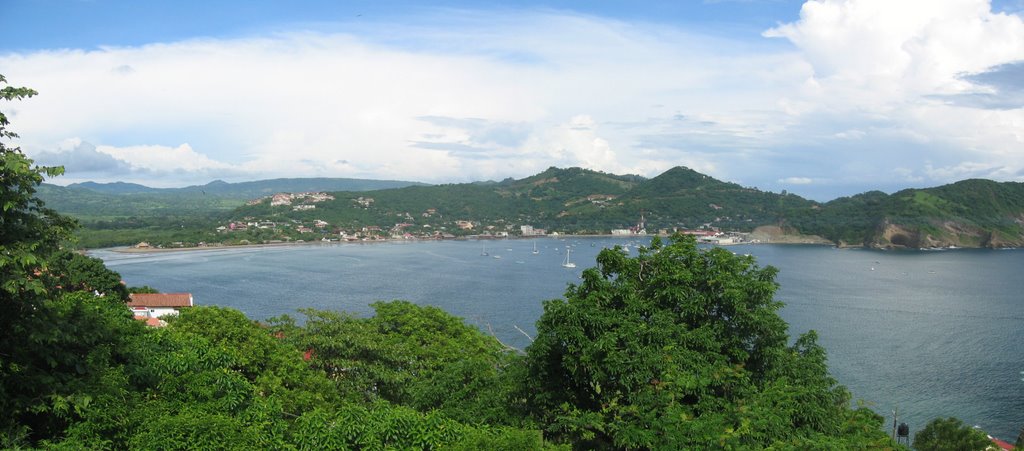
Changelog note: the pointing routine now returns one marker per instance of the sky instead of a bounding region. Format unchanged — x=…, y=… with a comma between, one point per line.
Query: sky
x=822, y=98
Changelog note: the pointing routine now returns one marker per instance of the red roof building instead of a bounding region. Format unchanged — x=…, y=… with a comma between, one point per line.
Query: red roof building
x=1001, y=444
x=155, y=305
x=160, y=300
x=152, y=322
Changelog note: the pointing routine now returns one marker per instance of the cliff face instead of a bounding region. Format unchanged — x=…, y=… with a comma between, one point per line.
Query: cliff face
x=784, y=235
x=943, y=234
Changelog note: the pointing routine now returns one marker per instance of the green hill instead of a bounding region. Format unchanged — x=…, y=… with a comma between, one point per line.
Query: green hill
x=88, y=204
x=114, y=188
x=570, y=200
x=104, y=201
x=248, y=190
x=970, y=213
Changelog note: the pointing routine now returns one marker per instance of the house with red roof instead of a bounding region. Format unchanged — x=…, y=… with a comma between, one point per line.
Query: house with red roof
x=999, y=444
x=155, y=305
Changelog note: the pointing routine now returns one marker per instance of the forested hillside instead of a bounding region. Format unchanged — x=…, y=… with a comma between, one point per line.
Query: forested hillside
x=91, y=201
x=125, y=213
x=969, y=213
x=572, y=200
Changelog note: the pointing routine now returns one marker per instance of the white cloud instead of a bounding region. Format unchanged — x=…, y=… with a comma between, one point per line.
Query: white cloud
x=904, y=48
x=887, y=67
x=796, y=181
x=850, y=134
x=163, y=158
x=967, y=169
x=482, y=96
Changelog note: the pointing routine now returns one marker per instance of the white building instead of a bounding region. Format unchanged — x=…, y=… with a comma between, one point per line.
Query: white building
x=155, y=305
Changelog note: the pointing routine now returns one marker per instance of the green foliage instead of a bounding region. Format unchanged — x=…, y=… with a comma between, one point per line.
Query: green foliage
x=193, y=430
x=274, y=368
x=950, y=434
x=143, y=289
x=65, y=358
x=385, y=427
x=29, y=235
x=71, y=271
x=412, y=355
x=28, y=231
x=680, y=348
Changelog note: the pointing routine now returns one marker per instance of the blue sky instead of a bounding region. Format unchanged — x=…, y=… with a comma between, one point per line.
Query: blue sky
x=821, y=98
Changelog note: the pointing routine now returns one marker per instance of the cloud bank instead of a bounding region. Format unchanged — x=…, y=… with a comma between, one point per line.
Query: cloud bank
x=856, y=94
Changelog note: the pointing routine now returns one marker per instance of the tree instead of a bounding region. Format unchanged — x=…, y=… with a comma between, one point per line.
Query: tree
x=272, y=366
x=29, y=235
x=70, y=271
x=28, y=231
x=417, y=356
x=683, y=348
x=143, y=289
x=950, y=434
x=71, y=359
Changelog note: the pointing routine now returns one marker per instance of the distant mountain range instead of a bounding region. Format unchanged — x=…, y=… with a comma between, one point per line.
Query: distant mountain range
x=91, y=200
x=970, y=213
x=249, y=190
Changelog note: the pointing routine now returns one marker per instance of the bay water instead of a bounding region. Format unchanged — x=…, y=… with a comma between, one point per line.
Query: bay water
x=932, y=333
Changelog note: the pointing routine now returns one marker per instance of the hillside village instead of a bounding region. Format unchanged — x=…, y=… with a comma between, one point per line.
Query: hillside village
x=278, y=226
x=971, y=213
x=426, y=225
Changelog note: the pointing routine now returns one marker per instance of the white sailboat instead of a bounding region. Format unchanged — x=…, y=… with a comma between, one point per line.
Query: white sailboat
x=483, y=252
x=567, y=263
x=535, y=251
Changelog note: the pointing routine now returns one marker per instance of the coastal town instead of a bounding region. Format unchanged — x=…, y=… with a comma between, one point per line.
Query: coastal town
x=429, y=224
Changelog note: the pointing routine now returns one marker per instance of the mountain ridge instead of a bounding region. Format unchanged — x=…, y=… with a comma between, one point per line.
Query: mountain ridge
x=967, y=213
x=253, y=188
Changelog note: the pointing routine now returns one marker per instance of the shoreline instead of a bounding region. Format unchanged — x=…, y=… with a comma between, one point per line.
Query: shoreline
x=224, y=247
x=785, y=240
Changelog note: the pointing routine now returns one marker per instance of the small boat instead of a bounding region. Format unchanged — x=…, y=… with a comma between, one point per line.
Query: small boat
x=567, y=263
x=535, y=251
x=484, y=251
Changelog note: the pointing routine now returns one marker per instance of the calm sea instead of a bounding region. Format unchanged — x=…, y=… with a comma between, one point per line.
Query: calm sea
x=932, y=333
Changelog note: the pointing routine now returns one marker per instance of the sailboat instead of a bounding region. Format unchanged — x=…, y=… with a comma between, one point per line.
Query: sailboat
x=484, y=251
x=535, y=251
x=567, y=263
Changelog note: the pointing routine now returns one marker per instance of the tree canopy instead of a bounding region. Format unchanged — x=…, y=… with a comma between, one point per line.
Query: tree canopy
x=950, y=434
x=682, y=347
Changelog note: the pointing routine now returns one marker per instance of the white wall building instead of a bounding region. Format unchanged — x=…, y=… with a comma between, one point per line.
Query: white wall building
x=155, y=305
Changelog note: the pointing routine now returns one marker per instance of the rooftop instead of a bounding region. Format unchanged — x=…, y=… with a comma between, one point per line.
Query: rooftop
x=160, y=300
